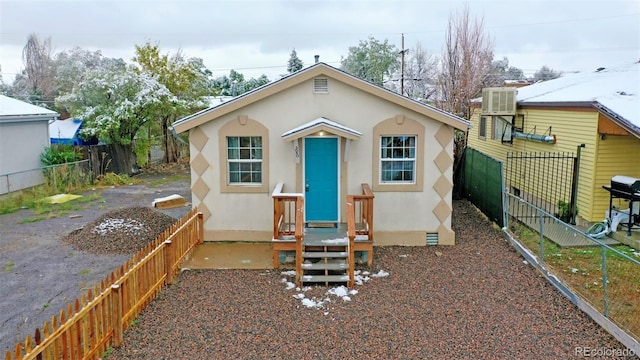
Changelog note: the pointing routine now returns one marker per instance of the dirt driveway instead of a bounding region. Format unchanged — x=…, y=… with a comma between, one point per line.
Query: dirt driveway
x=40, y=274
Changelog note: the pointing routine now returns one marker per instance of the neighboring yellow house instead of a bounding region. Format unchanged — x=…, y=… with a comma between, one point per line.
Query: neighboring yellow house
x=600, y=109
x=321, y=133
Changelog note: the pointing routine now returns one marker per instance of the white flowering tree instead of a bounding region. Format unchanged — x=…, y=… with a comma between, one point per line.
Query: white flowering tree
x=115, y=103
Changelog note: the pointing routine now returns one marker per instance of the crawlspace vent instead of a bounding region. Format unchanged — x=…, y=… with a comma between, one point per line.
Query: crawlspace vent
x=432, y=238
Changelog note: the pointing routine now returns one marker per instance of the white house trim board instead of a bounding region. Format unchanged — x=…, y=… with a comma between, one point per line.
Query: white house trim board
x=322, y=124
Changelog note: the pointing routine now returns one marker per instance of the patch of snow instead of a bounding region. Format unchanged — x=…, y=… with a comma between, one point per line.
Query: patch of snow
x=309, y=303
x=335, y=241
x=64, y=129
x=617, y=88
x=319, y=122
x=12, y=107
x=130, y=226
x=166, y=198
x=341, y=292
x=380, y=274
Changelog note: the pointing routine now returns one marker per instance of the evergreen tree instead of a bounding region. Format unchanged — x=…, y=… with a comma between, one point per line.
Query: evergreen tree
x=294, y=63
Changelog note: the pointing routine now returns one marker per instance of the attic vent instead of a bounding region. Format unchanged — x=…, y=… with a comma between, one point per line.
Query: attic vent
x=432, y=238
x=321, y=85
x=499, y=101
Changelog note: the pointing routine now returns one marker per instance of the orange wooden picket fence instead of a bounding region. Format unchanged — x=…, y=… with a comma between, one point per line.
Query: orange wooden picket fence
x=92, y=324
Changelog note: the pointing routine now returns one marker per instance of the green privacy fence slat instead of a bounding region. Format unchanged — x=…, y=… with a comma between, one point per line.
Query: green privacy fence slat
x=482, y=183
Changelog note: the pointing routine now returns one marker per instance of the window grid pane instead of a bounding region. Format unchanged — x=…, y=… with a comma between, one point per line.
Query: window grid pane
x=397, y=159
x=244, y=159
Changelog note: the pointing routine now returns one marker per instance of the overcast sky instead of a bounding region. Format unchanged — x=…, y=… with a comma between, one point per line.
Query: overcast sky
x=256, y=37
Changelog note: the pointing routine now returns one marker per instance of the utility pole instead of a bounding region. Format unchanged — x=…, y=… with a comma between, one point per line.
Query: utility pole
x=402, y=52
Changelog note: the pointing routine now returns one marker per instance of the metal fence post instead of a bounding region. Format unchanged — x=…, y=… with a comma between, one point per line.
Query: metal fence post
x=540, y=215
x=55, y=181
x=604, y=281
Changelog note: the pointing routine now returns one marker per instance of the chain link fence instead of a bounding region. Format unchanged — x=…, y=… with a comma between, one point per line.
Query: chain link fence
x=602, y=272
x=58, y=178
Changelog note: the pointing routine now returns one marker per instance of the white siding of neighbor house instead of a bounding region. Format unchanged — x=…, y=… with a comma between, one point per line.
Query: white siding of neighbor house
x=21, y=144
x=343, y=104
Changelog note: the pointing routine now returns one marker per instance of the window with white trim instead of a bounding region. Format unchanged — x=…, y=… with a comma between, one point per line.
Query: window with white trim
x=244, y=160
x=482, y=128
x=398, y=159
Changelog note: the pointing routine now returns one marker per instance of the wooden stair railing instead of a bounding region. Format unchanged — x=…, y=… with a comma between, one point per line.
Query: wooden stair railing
x=363, y=221
x=299, y=231
x=285, y=221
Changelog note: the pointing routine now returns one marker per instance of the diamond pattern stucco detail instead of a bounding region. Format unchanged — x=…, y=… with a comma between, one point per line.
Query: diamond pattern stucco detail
x=198, y=138
x=442, y=186
x=442, y=211
x=200, y=189
x=199, y=164
x=206, y=213
x=443, y=161
x=444, y=135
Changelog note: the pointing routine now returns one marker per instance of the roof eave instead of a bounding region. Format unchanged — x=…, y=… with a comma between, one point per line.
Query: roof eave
x=27, y=118
x=619, y=120
x=318, y=69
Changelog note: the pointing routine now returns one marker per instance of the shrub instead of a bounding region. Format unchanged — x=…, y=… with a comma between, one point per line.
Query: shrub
x=59, y=154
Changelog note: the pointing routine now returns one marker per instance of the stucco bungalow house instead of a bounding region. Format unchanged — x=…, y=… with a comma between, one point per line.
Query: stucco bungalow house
x=24, y=134
x=301, y=145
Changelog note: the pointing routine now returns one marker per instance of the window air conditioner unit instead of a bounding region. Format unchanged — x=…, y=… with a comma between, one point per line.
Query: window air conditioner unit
x=499, y=101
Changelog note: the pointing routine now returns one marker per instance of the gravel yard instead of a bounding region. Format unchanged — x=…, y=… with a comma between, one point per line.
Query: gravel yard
x=47, y=264
x=470, y=301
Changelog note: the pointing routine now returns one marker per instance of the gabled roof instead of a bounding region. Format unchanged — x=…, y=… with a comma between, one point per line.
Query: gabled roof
x=318, y=69
x=321, y=124
x=613, y=91
x=12, y=109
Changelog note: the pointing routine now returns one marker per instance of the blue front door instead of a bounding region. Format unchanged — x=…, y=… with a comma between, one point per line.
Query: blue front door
x=321, y=179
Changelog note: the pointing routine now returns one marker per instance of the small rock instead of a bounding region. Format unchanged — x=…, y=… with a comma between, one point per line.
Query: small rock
x=438, y=253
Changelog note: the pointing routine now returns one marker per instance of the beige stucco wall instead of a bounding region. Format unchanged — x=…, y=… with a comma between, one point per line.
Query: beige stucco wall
x=399, y=217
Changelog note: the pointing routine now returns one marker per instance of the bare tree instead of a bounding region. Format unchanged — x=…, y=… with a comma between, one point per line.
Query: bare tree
x=466, y=59
x=420, y=74
x=40, y=84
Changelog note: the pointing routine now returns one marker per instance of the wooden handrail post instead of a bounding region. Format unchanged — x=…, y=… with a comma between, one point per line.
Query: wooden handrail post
x=168, y=261
x=299, y=235
x=116, y=293
x=200, y=228
x=351, y=234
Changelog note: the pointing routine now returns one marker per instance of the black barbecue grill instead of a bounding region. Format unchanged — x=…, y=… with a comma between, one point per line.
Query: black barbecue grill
x=627, y=188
